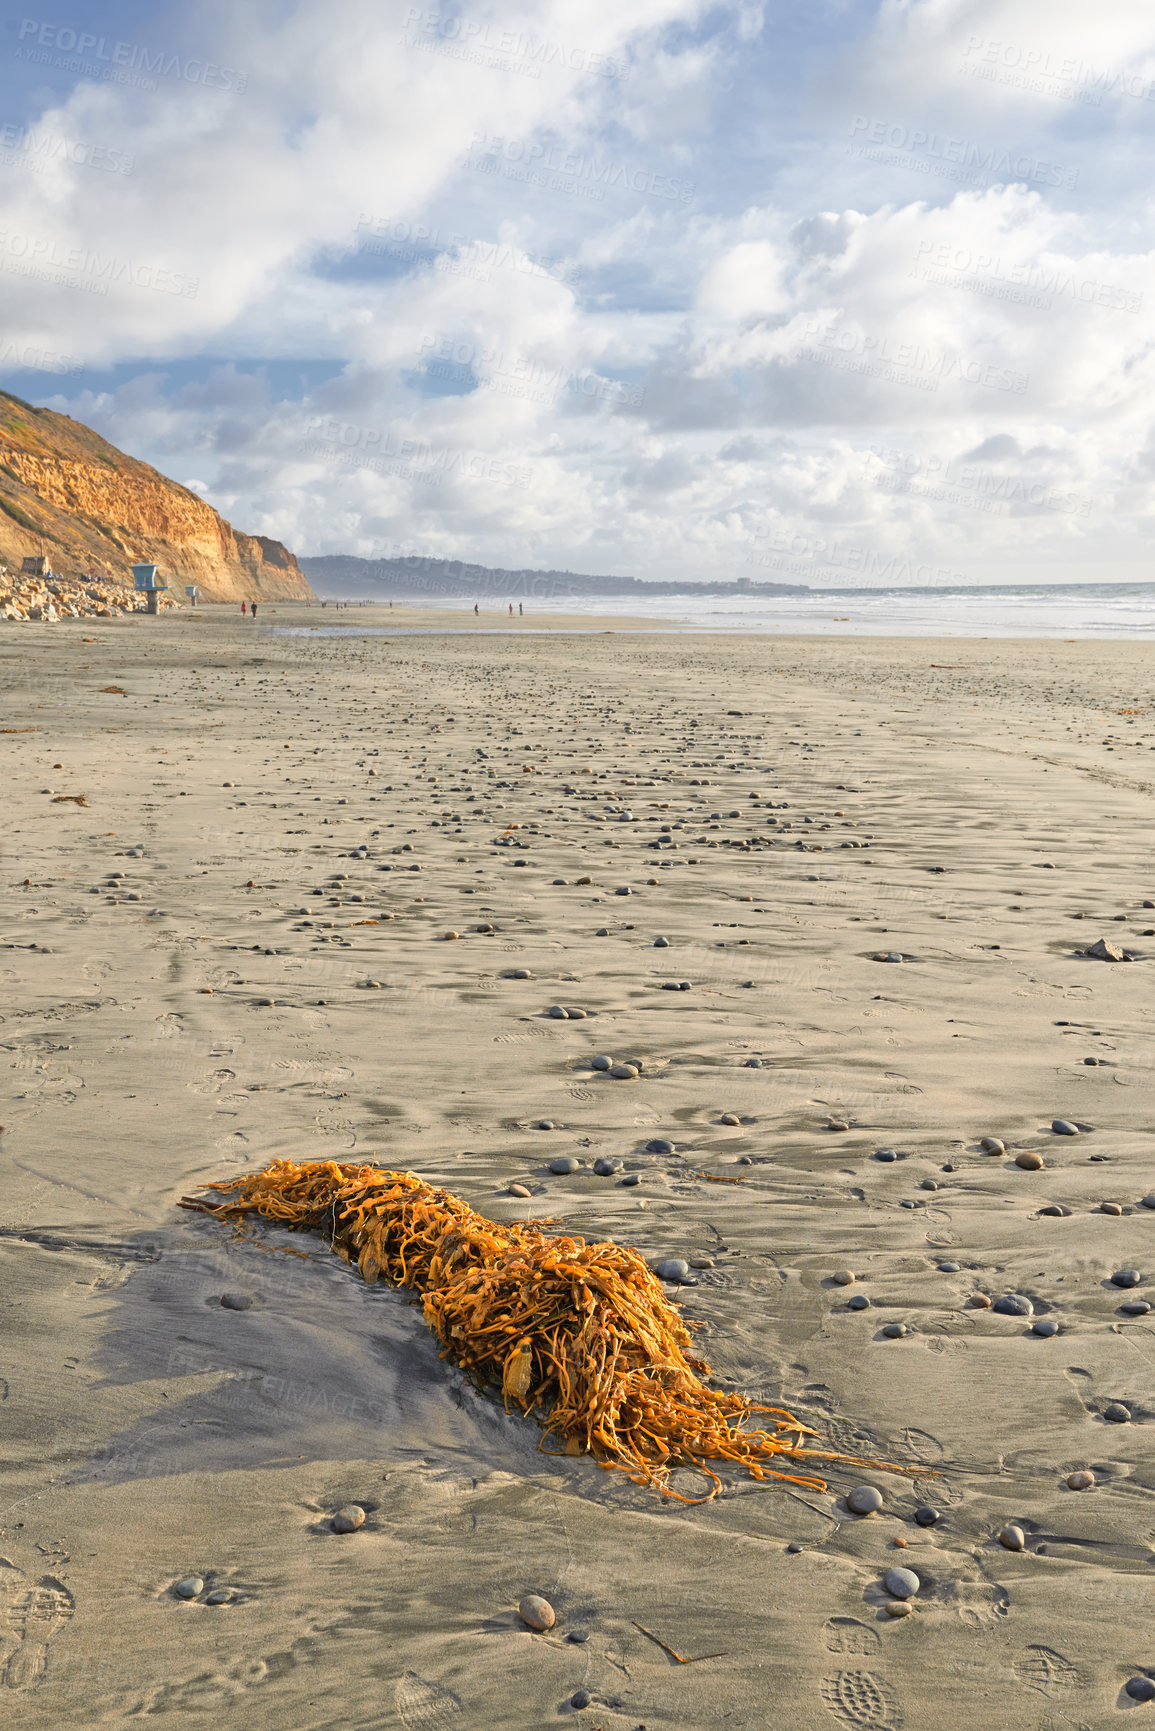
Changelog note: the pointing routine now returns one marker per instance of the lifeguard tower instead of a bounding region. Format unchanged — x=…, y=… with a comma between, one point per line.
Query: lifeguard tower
x=144, y=579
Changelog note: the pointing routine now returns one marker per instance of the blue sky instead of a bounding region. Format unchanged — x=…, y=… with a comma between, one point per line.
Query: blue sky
x=651, y=287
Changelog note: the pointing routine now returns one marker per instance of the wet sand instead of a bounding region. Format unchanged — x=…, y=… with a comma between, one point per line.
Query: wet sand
x=207, y=1010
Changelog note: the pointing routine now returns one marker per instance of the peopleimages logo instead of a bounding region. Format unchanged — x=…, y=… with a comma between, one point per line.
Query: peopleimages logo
x=545, y=165
x=56, y=44
x=77, y=267
x=24, y=146
x=853, y=350
x=944, y=154
x=487, y=44
x=1038, y=280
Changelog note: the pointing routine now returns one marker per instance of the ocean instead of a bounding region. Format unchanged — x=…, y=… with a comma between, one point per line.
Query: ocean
x=1059, y=610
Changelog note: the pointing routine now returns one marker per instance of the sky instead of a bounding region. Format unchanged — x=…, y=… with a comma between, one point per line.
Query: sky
x=825, y=293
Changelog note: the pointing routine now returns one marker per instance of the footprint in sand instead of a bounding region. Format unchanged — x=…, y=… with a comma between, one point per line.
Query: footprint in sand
x=862, y=1700
x=29, y=1617
x=848, y=1635
x=1046, y=1670
x=424, y=1706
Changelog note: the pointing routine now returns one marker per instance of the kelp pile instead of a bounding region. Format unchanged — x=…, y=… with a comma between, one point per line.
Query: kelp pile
x=580, y=1335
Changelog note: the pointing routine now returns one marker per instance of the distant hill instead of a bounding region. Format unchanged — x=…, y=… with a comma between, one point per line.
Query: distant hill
x=95, y=509
x=343, y=577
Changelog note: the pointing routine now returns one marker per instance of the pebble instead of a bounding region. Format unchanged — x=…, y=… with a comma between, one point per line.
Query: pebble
x=1064, y=1127
x=1135, y=1307
x=624, y=890
x=1046, y=1326
x=602, y=932
x=673, y=1268
x=864, y=1500
x=1110, y=1208
x=858, y=1302
x=544, y=1124
x=349, y=1519
x=1013, y=1539
x=1116, y=1413
x=450, y=936
x=630, y=1180
x=701, y=1262
x=927, y=1516
x=894, y=1330
x=1105, y=951
x=1148, y=1201
x=602, y=1062
x=1014, y=1304
x=563, y=1164
x=519, y=974
x=729, y=1118
x=903, y=1583
x=659, y=1145
x=992, y=1145
x=578, y=1637
x=607, y=1166
x=752, y=1064
x=536, y=1612
x=189, y=1588
x=899, y=1608
x=624, y=1072
x=558, y=1013
x=1140, y=1689
x=518, y=1190
x=580, y=1698
x=928, y=1184
x=1126, y=1277
x=949, y=1268
x=236, y=1301
x=1080, y=1481
x=1029, y=1160
x=219, y=1596
x=888, y=955
x=661, y=943
x=844, y=1277
x=886, y=1155
x=1055, y=1210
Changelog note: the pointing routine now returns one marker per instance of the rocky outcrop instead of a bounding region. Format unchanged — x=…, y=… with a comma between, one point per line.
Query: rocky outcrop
x=93, y=510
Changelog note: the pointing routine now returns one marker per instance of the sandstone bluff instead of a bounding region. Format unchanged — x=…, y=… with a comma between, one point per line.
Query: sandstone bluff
x=92, y=509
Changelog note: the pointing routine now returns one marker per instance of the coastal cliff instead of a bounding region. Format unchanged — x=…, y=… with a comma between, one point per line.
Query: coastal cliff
x=91, y=508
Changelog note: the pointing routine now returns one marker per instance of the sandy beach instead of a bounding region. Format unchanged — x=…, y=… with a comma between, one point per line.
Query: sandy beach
x=231, y=862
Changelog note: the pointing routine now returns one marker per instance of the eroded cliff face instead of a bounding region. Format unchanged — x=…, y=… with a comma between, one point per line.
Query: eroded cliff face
x=93, y=508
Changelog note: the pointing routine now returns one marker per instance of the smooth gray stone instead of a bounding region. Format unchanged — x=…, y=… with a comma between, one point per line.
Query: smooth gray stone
x=1013, y=1304
x=558, y=1013
x=1148, y=1201
x=563, y=1164
x=886, y=1155
x=189, y=1588
x=350, y=1519
x=625, y=890
x=902, y=1583
x=926, y=1516
x=236, y=1301
x=756, y=1064
x=623, y=1072
x=580, y=1698
x=659, y=1145
x=894, y=1330
x=949, y=1268
x=218, y=1596
x=928, y=1184
x=673, y=1268
x=1064, y=1127
x=661, y=943
x=858, y=1302
x=1126, y=1277
x=544, y=1124
x=607, y=1166
x=864, y=1500
x=602, y=1062
x=1046, y=1326
x=1140, y=1689
x=1135, y=1307
x=602, y=932
x=630, y=1180
x=1116, y=1413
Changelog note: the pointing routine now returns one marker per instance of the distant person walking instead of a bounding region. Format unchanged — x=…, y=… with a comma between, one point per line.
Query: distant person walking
x=511, y=610
x=253, y=609
x=244, y=606
x=475, y=612
x=520, y=608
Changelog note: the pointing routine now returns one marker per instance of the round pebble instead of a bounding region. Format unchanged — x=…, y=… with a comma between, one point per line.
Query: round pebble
x=1013, y=1539
x=603, y=1062
x=1140, y=1689
x=450, y=936
x=631, y=1180
x=545, y=1124
x=902, y=1583
x=858, y=1302
x=624, y=1072
x=348, y=1519
x=1064, y=1127
x=624, y=890
x=899, y=1608
x=580, y=1698
x=1148, y=1201
x=1014, y=1304
x=756, y=1064
x=661, y=943
x=1126, y=1277
x=927, y=1516
x=607, y=1166
x=928, y=1184
x=602, y=932
x=558, y=1012
x=1080, y=1481
x=563, y=1164
x=864, y=1500
x=236, y=1301
x=886, y=1155
x=219, y=1596
x=536, y=1612
x=894, y=1330
x=189, y=1588
x=838, y=1124
x=519, y=974
x=949, y=1268
x=518, y=1190
x=1110, y=1208
x=1045, y=1326
x=1029, y=1160
x=979, y=1301
x=1116, y=1413
x=729, y=1118
x=673, y=1268
x=1135, y=1307
x=659, y=1145
x=844, y=1277
x=992, y=1145
x=578, y=1637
